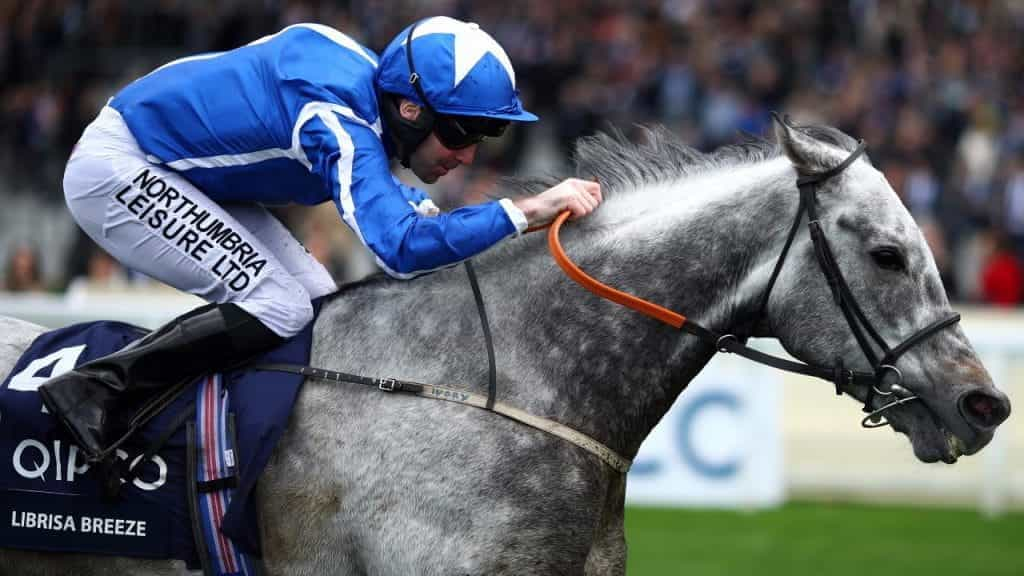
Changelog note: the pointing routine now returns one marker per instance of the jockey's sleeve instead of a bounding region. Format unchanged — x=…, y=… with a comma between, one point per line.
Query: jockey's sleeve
x=350, y=159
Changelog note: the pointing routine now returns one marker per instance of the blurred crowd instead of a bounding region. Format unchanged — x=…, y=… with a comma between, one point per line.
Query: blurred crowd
x=936, y=88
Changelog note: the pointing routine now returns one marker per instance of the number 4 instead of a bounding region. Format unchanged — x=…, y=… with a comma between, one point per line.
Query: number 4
x=63, y=360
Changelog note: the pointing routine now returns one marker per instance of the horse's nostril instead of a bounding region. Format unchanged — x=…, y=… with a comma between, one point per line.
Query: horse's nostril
x=983, y=410
x=981, y=405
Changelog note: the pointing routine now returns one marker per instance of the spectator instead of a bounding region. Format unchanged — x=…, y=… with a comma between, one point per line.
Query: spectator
x=103, y=273
x=933, y=235
x=1013, y=200
x=22, y=274
x=1002, y=278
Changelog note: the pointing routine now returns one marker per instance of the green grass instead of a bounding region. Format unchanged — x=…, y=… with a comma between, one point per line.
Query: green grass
x=824, y=539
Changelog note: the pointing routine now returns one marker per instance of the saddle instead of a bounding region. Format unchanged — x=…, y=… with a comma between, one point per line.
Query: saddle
x=184, y=482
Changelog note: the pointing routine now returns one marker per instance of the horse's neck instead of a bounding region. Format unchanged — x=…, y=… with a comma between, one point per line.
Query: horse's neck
x=703, y=247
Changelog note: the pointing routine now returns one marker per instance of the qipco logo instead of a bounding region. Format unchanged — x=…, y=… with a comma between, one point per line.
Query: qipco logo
x=34, y=460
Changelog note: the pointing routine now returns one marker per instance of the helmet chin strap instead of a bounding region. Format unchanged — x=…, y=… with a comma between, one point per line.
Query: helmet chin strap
x=407, y=135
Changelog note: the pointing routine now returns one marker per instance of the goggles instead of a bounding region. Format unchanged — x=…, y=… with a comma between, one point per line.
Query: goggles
x=457, y=132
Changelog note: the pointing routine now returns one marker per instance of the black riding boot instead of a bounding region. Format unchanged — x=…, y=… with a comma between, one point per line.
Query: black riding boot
x=90, y=399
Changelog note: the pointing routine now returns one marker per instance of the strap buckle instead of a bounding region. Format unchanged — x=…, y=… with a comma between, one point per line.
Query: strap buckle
x=387, y=384
x=723, y=343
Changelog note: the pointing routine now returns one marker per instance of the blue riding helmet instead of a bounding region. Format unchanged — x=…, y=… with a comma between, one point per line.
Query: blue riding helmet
x=465, y=86
x=461, y=70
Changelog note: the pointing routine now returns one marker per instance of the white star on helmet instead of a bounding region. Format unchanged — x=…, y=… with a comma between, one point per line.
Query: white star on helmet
x=471, y=44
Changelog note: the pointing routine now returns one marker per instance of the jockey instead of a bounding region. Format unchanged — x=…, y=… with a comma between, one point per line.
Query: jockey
x=171, y=176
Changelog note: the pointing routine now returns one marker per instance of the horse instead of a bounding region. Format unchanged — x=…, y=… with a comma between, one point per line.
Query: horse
x=365, y=482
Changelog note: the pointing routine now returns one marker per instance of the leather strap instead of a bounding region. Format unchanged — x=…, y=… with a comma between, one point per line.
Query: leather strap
x=192, y=487
x=613, y=459
x=818, y=177
x=414, y=78
x=492, y=372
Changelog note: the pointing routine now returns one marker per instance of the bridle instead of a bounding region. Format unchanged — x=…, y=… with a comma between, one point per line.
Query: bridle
x=865, y=333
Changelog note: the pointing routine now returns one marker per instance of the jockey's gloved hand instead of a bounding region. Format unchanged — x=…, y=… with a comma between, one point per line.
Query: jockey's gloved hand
x=580, y=197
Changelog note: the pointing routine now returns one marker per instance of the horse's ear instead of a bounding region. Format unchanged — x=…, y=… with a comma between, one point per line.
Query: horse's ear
x=806, y=153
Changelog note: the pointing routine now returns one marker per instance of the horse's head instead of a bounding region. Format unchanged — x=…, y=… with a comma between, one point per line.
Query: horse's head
x=892, y=278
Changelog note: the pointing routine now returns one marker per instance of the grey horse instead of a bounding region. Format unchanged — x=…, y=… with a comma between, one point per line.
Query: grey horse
x=366, y=482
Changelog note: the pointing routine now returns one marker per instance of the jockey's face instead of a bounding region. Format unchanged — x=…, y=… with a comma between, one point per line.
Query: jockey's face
x=432, y=159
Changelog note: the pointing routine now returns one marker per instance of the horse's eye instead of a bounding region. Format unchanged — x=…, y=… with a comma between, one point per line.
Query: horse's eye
x=888, y=258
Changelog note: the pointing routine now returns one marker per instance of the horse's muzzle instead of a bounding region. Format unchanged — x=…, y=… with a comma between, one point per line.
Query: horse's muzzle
x=984, y=408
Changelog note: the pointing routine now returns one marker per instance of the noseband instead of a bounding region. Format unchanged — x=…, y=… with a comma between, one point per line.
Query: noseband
x=867, y=336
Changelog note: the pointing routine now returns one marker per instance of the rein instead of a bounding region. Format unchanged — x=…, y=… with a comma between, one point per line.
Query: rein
x=841, y=377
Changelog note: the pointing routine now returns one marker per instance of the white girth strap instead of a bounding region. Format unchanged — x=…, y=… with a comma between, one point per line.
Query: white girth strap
x=613, y=459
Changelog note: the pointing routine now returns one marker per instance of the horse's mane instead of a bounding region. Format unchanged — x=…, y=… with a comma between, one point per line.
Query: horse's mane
x=659, y=156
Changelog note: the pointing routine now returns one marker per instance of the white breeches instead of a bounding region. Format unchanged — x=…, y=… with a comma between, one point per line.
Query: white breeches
x=154, y=221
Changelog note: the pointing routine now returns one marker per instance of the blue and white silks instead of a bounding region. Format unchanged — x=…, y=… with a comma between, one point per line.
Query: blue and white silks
x=293, y=117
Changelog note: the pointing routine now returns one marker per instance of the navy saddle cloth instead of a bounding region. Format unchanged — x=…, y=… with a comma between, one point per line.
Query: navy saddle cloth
x=50, y=499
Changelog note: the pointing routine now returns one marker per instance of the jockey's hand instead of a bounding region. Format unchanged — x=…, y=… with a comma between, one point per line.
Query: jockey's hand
x=580, y=197
x=425, y=208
